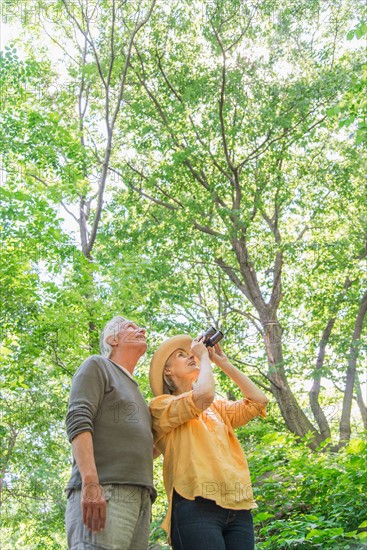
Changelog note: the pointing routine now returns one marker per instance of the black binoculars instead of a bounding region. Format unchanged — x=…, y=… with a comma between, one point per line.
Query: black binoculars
x=212, y=336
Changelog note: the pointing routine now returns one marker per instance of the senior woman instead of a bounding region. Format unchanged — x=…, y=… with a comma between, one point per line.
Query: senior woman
x=205, y=470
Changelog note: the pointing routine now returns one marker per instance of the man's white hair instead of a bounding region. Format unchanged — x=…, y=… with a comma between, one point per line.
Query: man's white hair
x=112, y=328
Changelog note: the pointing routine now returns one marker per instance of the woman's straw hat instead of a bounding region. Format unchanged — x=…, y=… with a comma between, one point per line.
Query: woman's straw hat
x=181, y=341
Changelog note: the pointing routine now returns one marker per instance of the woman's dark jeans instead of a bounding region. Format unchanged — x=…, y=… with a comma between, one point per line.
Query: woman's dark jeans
x=201, y=524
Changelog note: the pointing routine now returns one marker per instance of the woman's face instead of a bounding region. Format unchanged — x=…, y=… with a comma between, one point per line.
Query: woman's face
x=182, y=365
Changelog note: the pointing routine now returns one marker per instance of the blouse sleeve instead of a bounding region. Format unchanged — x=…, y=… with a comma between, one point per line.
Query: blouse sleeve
x=170, y=411
x=238, y=413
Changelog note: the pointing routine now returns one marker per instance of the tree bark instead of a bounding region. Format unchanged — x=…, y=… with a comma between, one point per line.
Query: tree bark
x=294, y=417
x=7, y=454
x=317, y=411
x=345, y=427
x=361, y=403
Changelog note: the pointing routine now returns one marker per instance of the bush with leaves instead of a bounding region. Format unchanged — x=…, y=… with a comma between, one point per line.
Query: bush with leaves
x=308, y=500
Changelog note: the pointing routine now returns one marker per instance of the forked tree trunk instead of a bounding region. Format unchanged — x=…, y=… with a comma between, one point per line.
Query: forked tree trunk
x=294, y=417
x=314, y=395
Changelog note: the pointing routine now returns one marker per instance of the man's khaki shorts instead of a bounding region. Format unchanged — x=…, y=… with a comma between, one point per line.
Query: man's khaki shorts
x=128, y=516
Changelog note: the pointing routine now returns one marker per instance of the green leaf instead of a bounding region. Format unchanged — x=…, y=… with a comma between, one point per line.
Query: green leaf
x=357, y=446
x=350, y=534
x=313, y=533
x=5, y=351
x=262, y=516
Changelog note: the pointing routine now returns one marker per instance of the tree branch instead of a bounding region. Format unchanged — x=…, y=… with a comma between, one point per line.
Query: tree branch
x=234, y=278
x=208, y=230
x=88, y=37
x=110, y=129
x=260, y=371
x=140, y=191
x=112, y=44
x=221, y=100
x=198, y=176
x=265, y=144
x=250, y=317
x=61, y=202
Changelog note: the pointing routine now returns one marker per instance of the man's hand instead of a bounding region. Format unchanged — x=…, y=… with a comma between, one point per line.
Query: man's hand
x=93, y=501
x=93, y=506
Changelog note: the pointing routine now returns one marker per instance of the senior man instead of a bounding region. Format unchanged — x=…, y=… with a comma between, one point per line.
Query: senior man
x=108, y=423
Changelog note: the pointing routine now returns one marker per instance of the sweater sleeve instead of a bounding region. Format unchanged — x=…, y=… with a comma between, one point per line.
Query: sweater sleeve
x=86, y=396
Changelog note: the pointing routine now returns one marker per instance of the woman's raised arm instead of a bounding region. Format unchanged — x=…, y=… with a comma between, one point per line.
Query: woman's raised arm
x=248, y=388
x=203, y=392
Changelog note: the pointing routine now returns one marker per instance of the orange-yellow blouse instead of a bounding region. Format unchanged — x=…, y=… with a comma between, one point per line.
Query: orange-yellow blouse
x=202, y=455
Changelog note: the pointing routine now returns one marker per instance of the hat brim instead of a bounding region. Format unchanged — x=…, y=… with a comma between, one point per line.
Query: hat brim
x=160, y=356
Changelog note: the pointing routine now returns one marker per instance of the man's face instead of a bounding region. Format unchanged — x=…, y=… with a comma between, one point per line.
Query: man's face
x=131, y=336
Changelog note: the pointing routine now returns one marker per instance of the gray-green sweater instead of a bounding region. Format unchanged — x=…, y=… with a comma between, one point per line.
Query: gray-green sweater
x=107, y=402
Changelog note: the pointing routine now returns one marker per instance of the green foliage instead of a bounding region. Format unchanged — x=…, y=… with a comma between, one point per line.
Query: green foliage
x=308, y=500
x=352, y=108
x=168, y=216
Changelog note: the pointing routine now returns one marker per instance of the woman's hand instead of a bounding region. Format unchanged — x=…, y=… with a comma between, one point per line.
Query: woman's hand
x=217, y=356
x=198, y=348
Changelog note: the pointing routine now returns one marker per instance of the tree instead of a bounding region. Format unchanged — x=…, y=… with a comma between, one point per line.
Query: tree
x=233, y=147
x=177, y=162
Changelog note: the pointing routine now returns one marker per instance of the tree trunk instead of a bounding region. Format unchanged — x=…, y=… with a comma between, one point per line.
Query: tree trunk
x=345, y=428
x=361, y=403
x=315, y=390
x=294, y=417
x=6, y=458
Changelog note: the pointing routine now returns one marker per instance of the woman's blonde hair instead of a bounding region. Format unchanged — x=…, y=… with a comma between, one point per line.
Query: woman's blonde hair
x=168, y=384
